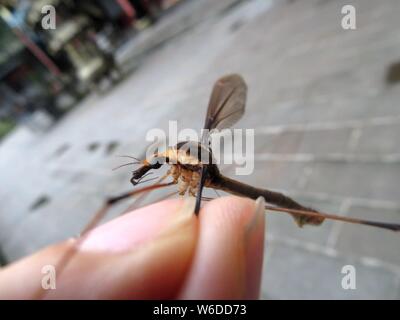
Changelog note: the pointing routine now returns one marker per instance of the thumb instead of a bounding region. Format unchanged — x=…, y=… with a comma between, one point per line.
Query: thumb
x=127, y=258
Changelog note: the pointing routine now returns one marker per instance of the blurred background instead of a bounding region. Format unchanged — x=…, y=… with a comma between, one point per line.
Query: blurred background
x=324, y=103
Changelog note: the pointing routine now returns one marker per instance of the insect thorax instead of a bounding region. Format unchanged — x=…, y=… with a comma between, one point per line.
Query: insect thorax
x=189, y=154
x=186, y=160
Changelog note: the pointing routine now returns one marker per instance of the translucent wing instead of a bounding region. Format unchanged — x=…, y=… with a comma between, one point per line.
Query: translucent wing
x=227, y=102
x=226, y=107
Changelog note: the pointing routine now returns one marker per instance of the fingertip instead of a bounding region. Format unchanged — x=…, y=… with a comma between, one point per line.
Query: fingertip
x=219, y=269
x=110, y=267
x=227, y=212
x=133, y=228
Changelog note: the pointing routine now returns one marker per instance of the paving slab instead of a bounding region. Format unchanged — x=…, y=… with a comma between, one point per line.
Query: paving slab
x=306, y=275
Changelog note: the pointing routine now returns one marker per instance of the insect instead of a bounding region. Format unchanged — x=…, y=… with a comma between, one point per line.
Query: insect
x=191, y=173
x=192, y=168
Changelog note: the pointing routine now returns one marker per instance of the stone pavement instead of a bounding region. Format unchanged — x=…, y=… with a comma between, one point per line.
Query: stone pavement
x=327, y=126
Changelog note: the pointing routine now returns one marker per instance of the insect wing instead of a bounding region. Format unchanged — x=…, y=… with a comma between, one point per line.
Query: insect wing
x=227, y=102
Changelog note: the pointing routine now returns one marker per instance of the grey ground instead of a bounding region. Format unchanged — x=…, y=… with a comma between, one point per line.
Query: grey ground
x=327, y=132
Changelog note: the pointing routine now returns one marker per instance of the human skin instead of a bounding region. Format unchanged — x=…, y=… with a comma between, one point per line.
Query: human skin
x=162, y=251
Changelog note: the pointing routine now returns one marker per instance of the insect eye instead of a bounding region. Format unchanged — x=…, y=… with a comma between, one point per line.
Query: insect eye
x=157, y=161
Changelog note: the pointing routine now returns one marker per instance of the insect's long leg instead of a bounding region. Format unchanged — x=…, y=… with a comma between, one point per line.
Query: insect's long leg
x=113, y=200
x=138, y=202
x=217, y=193
x=382, y=225
x=200, y=190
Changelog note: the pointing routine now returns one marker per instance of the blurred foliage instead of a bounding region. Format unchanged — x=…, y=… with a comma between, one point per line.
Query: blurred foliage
x=5, y=127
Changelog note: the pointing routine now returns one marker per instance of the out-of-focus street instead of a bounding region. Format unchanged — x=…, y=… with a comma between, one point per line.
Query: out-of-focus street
x=326, y=118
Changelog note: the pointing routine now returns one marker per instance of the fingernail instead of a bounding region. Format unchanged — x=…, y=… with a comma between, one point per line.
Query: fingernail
x=254, y=240
x=258, y=214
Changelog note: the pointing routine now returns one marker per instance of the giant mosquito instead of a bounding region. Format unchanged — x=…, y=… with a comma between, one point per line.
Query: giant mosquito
x=188, y=170
x=192, y=174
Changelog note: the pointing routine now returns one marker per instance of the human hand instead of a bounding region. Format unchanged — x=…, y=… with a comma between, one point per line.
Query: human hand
x=162, y=251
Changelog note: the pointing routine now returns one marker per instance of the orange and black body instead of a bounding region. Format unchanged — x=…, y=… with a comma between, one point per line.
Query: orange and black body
x=192, y=173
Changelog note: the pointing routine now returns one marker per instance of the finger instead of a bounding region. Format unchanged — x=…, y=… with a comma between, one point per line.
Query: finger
x=144, y=254
x=228, y=259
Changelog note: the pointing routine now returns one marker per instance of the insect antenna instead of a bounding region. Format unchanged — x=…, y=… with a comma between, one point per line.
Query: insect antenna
x=130, y=157
x=125, y=164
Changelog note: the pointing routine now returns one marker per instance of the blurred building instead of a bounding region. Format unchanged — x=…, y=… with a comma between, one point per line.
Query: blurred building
x=50, y=69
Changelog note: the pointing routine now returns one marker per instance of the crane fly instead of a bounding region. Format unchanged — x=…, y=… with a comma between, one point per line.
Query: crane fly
x=191, y=174
x=226, y=107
